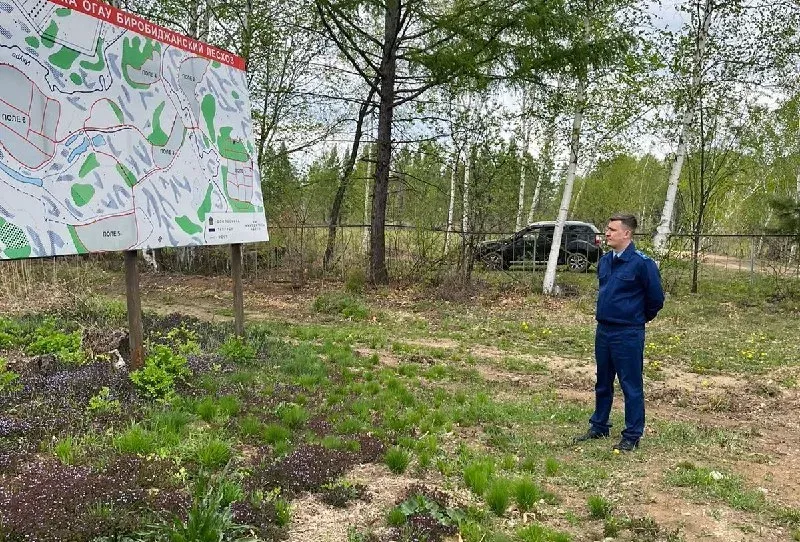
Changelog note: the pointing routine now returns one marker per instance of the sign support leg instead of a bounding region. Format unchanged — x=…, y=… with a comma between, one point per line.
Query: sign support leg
x=135, y=328
x=238, y=293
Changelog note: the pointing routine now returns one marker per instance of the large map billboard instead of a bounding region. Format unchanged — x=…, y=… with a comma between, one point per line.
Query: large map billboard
x=117, y=134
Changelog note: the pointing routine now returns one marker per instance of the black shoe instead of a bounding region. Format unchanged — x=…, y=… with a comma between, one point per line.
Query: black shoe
x=625, y=445
x=591, y=434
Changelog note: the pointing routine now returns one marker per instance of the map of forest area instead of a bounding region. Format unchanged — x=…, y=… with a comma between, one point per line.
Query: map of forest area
x=116, y=134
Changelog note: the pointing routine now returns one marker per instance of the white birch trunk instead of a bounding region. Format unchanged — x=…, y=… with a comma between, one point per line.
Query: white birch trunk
x=548, y=288
x=465, y=200
x=523, y=165
x=452, y=205
x=536, y=194
x=665, y=224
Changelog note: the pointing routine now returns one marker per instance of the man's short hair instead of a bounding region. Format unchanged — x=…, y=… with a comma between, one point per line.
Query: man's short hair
x=629, y=221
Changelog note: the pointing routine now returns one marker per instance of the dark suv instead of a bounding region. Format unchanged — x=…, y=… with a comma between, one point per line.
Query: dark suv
x=580, y=246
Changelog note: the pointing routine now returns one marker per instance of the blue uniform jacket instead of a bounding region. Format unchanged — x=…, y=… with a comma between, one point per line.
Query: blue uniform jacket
x=630, y=289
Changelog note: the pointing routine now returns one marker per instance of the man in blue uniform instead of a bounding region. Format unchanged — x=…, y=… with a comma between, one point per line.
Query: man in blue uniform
x=630, y=295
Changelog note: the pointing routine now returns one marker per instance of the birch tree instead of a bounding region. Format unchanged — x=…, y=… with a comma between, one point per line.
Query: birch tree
x=604, y=24
x=404, y=49
x=726, y=45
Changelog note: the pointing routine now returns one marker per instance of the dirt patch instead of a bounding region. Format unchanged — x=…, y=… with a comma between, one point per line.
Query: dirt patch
x=315, y=521
x=433, y=343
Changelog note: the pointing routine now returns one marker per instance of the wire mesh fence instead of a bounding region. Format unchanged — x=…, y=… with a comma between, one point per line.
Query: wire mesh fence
x=295, y=254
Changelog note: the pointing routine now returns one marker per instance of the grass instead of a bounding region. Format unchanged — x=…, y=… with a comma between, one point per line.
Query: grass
x=136, y=440
x=720, y=485
x=67, y=450
x=599, y=507
x=478, y=474
x=540, y=533
x=436, y=383
x=498, y=495
x=526, y=494
x=213, y=453
x=397, y=459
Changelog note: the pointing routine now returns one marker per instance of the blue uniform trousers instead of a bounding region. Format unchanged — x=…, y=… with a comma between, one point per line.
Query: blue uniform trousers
x=619, y=351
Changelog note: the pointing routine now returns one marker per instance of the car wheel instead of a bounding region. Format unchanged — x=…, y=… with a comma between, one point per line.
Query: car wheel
x=577, y=262
x=494, y=260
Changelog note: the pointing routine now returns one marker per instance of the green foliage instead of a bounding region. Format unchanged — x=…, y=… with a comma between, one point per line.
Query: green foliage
x=420, y=504
x=162, y=370
x=540, y=533
x=236, y=350
x=611, y=527
x=136, y=440
x=283, y=512
x=720, y=485
x=251, y=426
x=342, y=304
x=396, y=517
x=66, y=347
x=397, y=459
x=8, y=379
x=293, y=415
x=229, y=405
x=212, y=453
x=274, y=433
x=599, y=508
x=67, y=450
x=551, y=466
x=354, y=535
x=209, y=520
x=102, y=403
x=477, y=475
x=787, y=215
x=527, y=493
x=180, y=339
x=498, y=495
x=10, y=333
x=206, y=409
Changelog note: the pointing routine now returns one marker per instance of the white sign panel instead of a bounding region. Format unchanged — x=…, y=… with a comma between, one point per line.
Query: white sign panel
x=117, y=134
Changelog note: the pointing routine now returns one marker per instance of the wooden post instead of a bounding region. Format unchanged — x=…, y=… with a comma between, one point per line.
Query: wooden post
x=135, y=329
x=238, y=294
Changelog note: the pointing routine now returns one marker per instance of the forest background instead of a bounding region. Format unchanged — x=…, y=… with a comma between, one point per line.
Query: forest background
x=472, y=118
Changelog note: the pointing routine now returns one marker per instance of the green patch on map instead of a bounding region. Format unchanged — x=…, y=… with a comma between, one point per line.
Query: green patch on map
x=205, y=207
x=82, y=193
x=232, y=149
x=63, y=12
x=115, y=108
x=126, y=174
x=49, y=34
x=33, y=41
x=235, y=95
x=135, y=52
x=209, y=108
x=98, y=65
x=215, y=64
x=64, y=58
x=88, y=165
x=76, y=78
x=80, y=248
x=158, y=138
x=237, y=206
x=15, y=241
x=187, y=225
